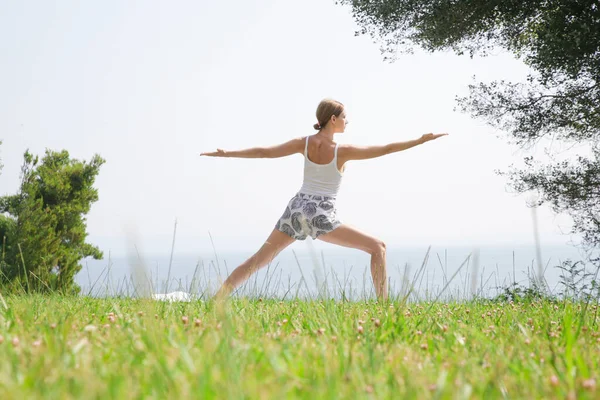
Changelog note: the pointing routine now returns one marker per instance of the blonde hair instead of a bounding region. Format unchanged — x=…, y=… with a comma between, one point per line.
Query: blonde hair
x=327, y=108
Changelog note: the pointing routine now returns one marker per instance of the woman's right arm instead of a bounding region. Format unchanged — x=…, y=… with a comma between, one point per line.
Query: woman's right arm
x=353, y=152
x=282, y=150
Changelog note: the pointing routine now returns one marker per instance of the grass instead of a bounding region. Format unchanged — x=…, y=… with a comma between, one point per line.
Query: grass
x=83, y=347
x=432, y=343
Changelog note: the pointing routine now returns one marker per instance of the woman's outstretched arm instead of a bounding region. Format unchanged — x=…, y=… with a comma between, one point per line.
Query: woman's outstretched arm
x=285, y=149
x=353, y=152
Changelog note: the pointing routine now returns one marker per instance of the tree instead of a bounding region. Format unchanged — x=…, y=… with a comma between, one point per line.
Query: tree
x=46, y=228
x=7, y=230
x=7, y=227
x=560, y=41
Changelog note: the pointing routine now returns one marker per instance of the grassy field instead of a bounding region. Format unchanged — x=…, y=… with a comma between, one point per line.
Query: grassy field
x=78, y=347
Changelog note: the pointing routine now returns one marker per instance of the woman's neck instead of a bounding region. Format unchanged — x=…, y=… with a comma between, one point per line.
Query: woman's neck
x=326, y=134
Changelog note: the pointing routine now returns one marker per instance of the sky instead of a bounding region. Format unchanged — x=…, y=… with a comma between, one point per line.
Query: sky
x=149, y=85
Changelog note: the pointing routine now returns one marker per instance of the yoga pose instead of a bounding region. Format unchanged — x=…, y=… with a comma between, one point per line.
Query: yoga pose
x=312, y=211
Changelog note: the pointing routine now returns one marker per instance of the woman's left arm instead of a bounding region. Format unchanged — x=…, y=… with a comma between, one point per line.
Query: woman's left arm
x=282, y=150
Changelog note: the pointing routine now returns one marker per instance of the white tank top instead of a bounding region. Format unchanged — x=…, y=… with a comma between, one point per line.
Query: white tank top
x=321, y=179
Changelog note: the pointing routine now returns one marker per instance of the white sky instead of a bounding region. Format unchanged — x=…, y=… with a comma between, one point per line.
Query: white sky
x=148, y=85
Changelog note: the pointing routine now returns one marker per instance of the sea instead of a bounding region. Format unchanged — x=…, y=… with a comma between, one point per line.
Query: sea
x=415, y=273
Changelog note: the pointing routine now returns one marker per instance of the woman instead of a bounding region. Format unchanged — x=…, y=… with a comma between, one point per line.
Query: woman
x=312, y=212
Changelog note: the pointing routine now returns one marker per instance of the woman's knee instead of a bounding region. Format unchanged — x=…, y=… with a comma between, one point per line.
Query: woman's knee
x=377, y=247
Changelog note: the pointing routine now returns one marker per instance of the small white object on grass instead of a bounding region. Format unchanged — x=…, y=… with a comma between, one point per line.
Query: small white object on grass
x=173, y=296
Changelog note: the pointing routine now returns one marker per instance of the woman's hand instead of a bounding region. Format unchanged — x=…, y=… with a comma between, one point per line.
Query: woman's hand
x=431, y=136
x=218, y=153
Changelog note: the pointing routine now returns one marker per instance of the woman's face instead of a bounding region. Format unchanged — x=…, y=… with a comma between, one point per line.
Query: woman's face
x=340, y=122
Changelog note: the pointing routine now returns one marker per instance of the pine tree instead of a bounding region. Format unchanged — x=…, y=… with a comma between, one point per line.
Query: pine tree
x=46, y=226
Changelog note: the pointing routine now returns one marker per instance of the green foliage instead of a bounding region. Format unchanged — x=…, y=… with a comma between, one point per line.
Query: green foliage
x=578, y=282
x=519, y=293
x=8, y=227
x=47, y=229
x=560, y=41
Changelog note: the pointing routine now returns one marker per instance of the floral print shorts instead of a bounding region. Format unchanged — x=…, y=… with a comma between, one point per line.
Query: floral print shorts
x=308, y=215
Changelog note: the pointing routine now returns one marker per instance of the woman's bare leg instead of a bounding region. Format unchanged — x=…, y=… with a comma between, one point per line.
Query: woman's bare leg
x=276, y=242
x=347, y=236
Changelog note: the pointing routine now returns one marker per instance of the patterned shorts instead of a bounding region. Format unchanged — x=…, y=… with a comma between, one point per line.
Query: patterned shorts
x=308, y=215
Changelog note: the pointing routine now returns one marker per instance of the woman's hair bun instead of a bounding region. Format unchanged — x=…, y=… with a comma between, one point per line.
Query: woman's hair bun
x=317, y=126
